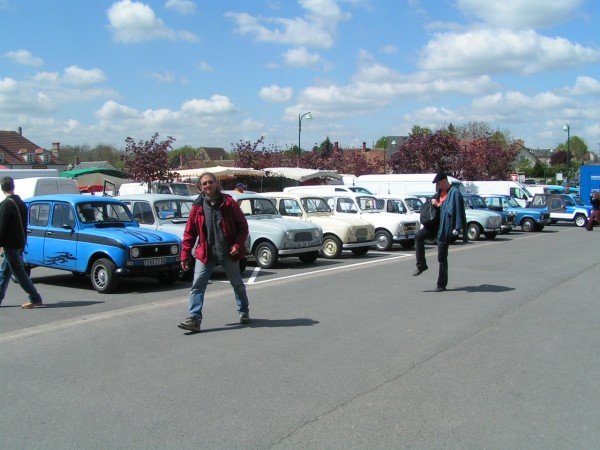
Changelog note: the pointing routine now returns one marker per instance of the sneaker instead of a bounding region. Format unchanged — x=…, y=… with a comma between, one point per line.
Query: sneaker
x=244, y=318
x=191, y=324
x=31, y=305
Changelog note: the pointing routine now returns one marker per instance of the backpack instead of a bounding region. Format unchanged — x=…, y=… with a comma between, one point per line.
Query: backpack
x=430, y=214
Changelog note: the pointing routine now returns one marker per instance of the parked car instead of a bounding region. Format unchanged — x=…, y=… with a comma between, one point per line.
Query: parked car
x=401, y=204
x=167, y=212
x=339, y=233
x=97, y=236
x=477, y=202
x=272, y=236
x=562, y=208
x=156, y=187
x=529, y=219
x=389, y=228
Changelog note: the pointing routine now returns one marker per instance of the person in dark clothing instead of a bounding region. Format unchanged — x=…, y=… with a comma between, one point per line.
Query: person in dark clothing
x=452, y=220
x=219, y=226
x=13, y=237
x=595, y=215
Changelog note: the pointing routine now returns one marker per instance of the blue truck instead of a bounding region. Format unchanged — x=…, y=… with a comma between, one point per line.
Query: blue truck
x=589, y=181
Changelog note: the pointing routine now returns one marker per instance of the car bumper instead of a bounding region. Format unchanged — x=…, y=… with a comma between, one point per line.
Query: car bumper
x=358, y=244
x=299, y=251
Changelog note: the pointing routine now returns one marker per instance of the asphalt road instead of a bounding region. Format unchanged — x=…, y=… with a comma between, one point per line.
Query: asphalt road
x=355, y=353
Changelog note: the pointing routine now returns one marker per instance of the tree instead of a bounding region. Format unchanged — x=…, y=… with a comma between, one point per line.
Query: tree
x=184, y=156
x=148, y=161
x=326, y=148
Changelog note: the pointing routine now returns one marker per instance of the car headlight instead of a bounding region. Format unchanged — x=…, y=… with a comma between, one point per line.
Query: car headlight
x=289, y=235
x=135, y=252
x=174, y=249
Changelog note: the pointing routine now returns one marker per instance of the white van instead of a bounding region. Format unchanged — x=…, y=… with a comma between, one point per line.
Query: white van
x=30, y=187
x=516, y=190
x=402, y=183
x=328, y=188
x=28, y=173
x=186, y=189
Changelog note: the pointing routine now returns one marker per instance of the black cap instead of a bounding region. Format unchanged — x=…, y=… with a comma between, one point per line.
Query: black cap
x=440, y=176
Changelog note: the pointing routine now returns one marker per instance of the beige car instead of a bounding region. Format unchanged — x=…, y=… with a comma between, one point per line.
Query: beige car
x=339, y=233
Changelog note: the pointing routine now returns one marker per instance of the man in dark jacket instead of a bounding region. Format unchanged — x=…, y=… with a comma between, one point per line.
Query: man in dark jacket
x=452, y=220
x=219, y=227
x=13, y=229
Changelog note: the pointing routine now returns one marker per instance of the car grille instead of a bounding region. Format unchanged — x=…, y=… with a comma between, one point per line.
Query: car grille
x=362, y=232
x=494, y=222
x=303, y=236
x=410, y=226
x=154, y=251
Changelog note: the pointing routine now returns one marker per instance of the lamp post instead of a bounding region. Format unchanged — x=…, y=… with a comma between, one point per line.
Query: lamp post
x=567, y=128
x=300, y=117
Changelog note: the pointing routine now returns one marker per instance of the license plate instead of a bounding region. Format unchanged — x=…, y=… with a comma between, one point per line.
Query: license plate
x=154, y=262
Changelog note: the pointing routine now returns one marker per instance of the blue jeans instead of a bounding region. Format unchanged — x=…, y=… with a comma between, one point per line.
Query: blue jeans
x=12, y=264
x=202, y=274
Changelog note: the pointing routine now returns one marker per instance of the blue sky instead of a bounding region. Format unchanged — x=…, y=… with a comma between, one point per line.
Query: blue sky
x=212, y=73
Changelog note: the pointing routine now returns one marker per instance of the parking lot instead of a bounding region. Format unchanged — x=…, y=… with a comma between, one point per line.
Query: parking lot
x=348, y=353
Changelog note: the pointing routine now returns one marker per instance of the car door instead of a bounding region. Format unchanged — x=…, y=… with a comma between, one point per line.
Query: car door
x=60, y=240
x=557, y=208
x=38, y=220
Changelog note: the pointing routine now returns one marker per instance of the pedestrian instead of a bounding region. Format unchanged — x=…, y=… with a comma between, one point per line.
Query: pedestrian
x=452, y=221
x=13, y=237
x=595, y=214
x=219, y=226
x=240, y=187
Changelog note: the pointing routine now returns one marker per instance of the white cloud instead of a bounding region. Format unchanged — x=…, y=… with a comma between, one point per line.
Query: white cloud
x=24, y=57
x=204, y=67
x=584, y=86
x=137, y=22
x=166, y=76
x=112, y=110
x=301, y=57
x=184, y=7
x=388, y=49
x=218, y=104
x=519, y=13
x=275, y=93
x=78, y=76
x=316, y=29
x=502, y=51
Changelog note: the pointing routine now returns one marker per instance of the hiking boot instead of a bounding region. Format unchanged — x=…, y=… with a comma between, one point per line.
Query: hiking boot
x=244, y=318
x=31, y=305
x=191, y=324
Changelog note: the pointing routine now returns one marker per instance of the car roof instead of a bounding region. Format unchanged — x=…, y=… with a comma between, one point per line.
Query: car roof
x=73, y=198
x=155, y=197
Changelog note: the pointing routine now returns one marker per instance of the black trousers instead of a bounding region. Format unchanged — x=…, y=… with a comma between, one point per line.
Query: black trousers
x=427, y=233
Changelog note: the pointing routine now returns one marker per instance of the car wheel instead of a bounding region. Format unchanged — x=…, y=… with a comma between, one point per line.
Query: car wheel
x=580, y=220
x=528, y=225
x=360, y=251
x=332, y=247
x=309, y=258
x=407, y=245
x=266, y=255
x=473, y=231
x=491, y=235
x=168, y=277
x=103, y=276
x=383, y=240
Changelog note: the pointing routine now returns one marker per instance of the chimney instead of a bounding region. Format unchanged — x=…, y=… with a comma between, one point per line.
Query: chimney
x=335, y=146
x=364, y=149
x=21, y=131
x=55, y=149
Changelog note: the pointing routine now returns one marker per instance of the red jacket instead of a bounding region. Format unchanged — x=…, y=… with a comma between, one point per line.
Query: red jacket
x=235, y=229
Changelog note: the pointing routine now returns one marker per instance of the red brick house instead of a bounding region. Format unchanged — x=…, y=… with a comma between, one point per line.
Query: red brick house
x=18, y=152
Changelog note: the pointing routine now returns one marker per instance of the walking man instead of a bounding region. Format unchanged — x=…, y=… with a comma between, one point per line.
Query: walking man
x=219, y=227
x=452, y=220
x=13, y=237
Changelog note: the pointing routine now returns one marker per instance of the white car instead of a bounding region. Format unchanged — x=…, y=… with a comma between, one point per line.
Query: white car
x=339, y=232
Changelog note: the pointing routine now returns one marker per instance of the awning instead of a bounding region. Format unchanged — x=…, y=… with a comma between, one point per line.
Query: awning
x=300, y=174
x=221, y=171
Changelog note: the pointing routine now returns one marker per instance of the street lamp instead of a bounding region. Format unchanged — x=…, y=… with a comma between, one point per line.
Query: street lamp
x=567, y=128
x=300, y=117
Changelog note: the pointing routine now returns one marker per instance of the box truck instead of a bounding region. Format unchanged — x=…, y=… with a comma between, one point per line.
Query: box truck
x=402, y=184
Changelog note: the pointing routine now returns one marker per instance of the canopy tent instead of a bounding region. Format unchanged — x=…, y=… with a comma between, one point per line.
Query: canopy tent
x=221, y=172
x=96, y=175
x=300, y=174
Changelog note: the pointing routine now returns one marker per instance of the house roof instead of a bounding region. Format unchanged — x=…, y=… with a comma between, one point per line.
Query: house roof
x=215, y=153
x=15, y=146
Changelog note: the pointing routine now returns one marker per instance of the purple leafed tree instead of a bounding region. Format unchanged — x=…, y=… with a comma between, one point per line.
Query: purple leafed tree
x=148, y=161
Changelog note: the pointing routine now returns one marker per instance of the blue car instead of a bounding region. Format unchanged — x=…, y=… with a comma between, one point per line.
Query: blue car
x=529, y=219
x=562, y=207
x=97, y=236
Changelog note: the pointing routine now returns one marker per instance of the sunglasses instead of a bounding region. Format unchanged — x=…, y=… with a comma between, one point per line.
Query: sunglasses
x=207, y=182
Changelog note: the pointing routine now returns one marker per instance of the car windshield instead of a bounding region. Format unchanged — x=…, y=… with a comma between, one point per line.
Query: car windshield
x=368, y=203
x=578, y=201
x=98, y=212
x=474, y=202
x=315, y=204
x=173, y=209
x=512, y=202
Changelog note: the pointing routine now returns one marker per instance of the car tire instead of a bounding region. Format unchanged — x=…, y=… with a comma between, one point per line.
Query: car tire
x=580, y=220
x=360, y=251
x=332, y=247
x=407, y=245
x=473, y=231
x=266, y=255
x=103, y=277
x=383, y=240
x=528, y=225
x=309, y=258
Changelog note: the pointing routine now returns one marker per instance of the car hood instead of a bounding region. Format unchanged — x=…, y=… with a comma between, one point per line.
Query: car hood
x=280, y=222
x=133, y=235
x=479, y=214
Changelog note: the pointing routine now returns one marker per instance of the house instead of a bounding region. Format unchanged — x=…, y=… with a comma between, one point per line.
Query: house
x=18, y=152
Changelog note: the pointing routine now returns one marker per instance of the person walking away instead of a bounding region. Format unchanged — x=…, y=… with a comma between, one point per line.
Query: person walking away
x=13, y=238
x=452, y=220
x=595, y=215
x=219, y=226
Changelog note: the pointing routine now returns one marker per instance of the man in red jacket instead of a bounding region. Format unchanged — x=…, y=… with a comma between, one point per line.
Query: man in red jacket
x=219, y=227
